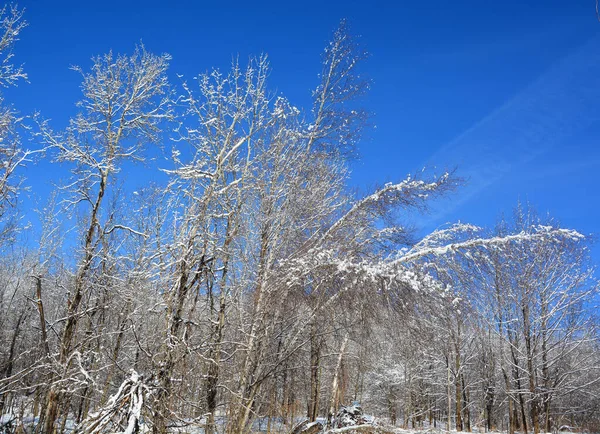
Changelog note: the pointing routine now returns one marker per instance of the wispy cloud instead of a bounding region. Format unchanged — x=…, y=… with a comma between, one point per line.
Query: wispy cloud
x=562, y=102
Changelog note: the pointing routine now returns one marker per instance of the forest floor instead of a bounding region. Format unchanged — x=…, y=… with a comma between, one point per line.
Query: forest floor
x=10, y=423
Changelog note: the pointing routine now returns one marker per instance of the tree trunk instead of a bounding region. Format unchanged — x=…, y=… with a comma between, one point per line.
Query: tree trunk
x=334, y=384
x=315, y=362
x=11, y=356
x=68, y=334
x=530, y=369
x=467, y=419
x=212, y=378
x=449, y=394
x=458, y=392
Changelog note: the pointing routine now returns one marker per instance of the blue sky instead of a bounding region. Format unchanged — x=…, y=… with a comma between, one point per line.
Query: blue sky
x=506, y=91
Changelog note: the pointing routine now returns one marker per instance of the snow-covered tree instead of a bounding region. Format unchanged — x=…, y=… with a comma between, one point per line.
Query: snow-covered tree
x=125, y=99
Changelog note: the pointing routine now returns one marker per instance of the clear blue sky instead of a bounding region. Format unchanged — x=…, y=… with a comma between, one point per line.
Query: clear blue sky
x=508, y=91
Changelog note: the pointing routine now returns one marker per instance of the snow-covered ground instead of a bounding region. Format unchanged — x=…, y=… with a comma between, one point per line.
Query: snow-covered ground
x=10, y=422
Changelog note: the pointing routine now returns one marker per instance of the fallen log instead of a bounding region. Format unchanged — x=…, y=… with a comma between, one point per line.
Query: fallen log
x=307, y=427
x=366, y=428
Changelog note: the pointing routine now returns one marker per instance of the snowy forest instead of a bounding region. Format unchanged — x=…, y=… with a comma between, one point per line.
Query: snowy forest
x=246, y=287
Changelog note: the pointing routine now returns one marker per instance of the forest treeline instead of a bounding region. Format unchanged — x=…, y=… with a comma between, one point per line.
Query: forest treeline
x=252, y=285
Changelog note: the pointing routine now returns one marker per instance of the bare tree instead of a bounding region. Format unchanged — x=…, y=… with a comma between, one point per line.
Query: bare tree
x=12, y=154
x=125, y=100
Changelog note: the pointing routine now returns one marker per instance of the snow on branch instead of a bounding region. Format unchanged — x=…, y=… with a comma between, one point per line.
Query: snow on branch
x=537, y=233
x=404, y=268
x=126, y=228
x=11, y=25
x=359, y=273
x=410, y=193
